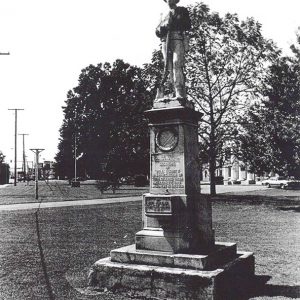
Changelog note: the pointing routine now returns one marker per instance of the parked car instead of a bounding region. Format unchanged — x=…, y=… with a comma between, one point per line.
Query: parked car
x=76, y=179
x=233, y=181
x=281, y=182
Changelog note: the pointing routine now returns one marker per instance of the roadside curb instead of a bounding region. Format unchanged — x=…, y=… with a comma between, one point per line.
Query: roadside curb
x=4, y=185
x=25, y=206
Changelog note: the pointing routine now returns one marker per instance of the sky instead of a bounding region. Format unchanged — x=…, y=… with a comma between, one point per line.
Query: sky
x=51, y=41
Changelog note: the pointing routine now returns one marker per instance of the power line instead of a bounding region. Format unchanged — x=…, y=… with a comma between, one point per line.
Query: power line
x=16, y=133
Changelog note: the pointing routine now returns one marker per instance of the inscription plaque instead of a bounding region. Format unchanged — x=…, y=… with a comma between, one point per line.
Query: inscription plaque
x=158, y=206
x=167, y=171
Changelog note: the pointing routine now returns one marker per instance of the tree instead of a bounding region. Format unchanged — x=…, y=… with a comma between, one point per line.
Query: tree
x=253, y=146
x=152, y=72
x=225, y=68
x=296, y=47
x=105, y=115
x=2, y=157
x=4, y=170
x=272, y=140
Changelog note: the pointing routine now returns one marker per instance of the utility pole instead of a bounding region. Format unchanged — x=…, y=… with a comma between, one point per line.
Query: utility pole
x=75, y=183
x=24, y=157
x=75, y=161
x=16, y=133
x=29, y=167
x=37, y=153
x=75, y=149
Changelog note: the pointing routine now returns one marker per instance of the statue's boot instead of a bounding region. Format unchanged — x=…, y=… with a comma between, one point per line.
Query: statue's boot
x=180, y=93
x=159, y=93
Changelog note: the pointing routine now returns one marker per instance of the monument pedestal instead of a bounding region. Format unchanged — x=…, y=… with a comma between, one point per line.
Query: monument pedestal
x=175, y=217
x=175, y=255
x=223, y=274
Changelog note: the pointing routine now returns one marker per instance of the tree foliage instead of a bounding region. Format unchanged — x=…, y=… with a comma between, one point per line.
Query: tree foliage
x=152, y=72
x=225, y=68
x=272, y=140
x=104, y=114
x=296, y=47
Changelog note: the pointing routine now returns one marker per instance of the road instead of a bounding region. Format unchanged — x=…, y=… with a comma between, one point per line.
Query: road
x=222, y=189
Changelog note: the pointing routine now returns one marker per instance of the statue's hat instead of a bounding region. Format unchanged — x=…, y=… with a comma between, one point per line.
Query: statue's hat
x=176, y=1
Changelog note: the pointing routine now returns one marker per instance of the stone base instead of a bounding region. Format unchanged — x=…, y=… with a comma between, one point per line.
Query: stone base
x=175, y=276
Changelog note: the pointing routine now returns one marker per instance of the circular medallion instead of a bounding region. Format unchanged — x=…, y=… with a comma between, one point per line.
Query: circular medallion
x=167, y=139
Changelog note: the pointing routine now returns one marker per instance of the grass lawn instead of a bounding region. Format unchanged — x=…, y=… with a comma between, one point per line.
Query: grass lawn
x=50, y=259
x=55, y=190
x=69, y=241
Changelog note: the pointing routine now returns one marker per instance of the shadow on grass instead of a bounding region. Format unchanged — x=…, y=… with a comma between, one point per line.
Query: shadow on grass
x=293, y=208
x=43, y=261
x=262, y=288
x=255, y=199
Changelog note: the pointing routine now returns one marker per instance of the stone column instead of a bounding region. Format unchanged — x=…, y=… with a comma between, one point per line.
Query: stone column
x=250, y=178
x=225, y=173
x=176, y=218
x=235, y=171
x=242, y=173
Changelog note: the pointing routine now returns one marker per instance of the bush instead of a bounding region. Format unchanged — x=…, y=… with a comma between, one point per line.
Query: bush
x=104, y=185
x=140, y=180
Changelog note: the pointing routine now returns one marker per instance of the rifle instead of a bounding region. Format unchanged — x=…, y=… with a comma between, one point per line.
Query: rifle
x=168, y=39
x=160, y=89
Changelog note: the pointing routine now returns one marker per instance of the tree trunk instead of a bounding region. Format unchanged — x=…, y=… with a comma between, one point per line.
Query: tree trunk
x=212, y=174
x=212, y=157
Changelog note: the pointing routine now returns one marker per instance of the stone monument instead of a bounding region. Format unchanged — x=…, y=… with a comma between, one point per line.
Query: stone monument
x=175, y=255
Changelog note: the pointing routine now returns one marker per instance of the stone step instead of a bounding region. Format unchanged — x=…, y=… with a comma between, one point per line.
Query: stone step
x=221, y=254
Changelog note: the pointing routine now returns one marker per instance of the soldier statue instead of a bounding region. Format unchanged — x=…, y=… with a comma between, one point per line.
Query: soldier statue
x=172, y=32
